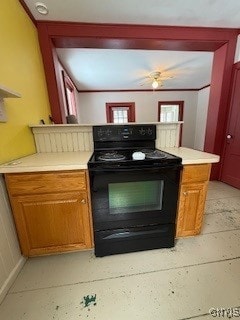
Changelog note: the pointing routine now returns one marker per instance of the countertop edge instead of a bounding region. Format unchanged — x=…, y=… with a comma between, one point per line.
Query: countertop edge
x=42, y=168
x=199, y=161
x=69, y=161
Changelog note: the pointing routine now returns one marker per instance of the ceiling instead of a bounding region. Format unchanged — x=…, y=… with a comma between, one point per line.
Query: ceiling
x=107, y=69
x=208, y=13
x=112, y=69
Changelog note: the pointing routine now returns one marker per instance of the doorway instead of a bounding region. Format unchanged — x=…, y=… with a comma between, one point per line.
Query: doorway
x=171, y=111
x=230, y=172
x=221, y=41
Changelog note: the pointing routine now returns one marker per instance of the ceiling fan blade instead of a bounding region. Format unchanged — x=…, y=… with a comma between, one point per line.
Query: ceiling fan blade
x=166, y=77
x=155, y=76
x=145, y=82
x=179, y=65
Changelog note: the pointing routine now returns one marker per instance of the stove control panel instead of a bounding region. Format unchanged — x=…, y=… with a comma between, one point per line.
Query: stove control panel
x=137, y=132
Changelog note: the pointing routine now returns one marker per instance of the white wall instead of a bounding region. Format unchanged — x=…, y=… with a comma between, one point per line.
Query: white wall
x=92, y=108
x=11, y=260
x=201, y=118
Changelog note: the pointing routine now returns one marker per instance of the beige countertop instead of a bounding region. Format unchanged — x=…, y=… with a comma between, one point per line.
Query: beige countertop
x=56, y=161
x=53, y=161
x=191, y=156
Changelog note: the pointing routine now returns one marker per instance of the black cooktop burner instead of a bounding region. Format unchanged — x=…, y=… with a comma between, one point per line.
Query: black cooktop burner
x=111, y=156
x=155, y=154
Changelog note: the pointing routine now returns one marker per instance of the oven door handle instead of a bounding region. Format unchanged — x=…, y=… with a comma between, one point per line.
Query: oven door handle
x=134, y=169
x=131, y=234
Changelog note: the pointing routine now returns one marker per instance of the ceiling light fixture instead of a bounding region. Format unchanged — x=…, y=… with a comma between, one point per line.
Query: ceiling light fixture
x=41, y=8
x=154, y=84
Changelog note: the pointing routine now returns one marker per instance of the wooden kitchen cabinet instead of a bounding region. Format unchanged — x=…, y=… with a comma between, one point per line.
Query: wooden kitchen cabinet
x=192, y=196
x=51, y=211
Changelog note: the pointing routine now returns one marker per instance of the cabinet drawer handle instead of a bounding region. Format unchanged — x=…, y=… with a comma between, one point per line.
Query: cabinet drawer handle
x=185, y=193
x=83, y=201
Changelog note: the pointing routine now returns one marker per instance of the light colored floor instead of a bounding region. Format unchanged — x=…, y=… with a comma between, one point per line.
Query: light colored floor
x=184, y=282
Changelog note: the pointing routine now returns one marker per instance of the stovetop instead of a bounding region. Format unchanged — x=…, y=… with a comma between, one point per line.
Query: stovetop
x=115, y=145
x=124, y=157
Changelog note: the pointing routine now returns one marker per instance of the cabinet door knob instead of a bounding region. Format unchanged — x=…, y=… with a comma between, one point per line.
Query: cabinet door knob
x=83, y=201
x=185, y=193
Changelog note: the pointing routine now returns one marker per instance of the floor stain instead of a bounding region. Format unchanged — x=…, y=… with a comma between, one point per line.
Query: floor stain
x=89, y=300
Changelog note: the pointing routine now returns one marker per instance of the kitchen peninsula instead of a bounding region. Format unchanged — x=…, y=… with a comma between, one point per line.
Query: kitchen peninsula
x=62, y=180
x=43, y=187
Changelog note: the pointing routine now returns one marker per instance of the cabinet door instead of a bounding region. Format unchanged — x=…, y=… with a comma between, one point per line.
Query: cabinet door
x=191, y=208
x=51, y=223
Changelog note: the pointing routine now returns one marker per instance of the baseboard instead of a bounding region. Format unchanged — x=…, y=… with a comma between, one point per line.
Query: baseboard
x=11, y=278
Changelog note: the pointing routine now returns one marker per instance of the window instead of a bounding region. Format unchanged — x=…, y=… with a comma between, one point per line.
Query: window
x=120, y=115
x=69, y=95
x=122, y=112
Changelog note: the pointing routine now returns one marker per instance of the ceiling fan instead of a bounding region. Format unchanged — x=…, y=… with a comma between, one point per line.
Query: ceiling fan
x=156, y=79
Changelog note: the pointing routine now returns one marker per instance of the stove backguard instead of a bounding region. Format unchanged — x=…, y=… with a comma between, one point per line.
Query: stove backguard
x=124, y=136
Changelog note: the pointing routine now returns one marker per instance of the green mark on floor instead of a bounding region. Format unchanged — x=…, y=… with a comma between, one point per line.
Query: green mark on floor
x=89, y=300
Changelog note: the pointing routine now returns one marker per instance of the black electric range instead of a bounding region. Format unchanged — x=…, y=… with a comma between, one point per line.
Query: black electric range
x=134, y=202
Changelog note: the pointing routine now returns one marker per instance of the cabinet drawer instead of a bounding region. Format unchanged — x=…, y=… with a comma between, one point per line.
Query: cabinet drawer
x=36, y=183
x=196, y=173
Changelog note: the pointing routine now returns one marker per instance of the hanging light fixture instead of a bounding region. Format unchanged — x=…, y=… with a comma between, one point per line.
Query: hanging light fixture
x=155, y=84
x=155, y=79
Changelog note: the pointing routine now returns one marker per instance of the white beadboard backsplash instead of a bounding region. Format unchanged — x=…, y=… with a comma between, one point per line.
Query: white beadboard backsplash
x=168, y=135
x=63, y=138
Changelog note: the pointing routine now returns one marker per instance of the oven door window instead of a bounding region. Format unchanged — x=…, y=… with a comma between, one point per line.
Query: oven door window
x=140, y=196
x=133, y=197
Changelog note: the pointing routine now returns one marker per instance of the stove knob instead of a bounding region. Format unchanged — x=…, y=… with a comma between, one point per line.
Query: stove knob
x=149, y=131
x=100, y=132
x=142, y=131
x=108, y=132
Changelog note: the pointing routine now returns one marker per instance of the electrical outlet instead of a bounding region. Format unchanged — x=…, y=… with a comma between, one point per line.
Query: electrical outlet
x=3, y=115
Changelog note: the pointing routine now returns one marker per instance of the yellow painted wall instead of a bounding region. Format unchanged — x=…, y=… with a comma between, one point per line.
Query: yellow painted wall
x=21, y=70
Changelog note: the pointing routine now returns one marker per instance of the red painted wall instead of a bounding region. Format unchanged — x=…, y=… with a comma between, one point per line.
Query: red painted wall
x=219, y=102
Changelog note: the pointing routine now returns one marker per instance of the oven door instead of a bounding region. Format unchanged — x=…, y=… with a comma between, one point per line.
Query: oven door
x=131, y=197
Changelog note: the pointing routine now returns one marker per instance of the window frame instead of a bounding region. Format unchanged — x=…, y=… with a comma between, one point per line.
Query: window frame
x=111, y=105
